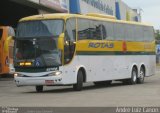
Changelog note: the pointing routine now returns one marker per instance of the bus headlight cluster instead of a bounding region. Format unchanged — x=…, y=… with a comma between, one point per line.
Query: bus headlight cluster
x=55, y=73
x=18, y=75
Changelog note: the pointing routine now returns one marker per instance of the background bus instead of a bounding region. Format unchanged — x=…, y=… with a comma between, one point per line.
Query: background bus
x=68, y=49
x=6, y=50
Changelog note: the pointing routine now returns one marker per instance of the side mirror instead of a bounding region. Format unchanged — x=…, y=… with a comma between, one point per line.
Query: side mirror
x=61, y=42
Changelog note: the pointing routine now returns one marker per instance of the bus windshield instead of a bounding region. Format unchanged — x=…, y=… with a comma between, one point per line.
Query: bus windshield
x=40, y=28
x=36, y=42
x=41, y=52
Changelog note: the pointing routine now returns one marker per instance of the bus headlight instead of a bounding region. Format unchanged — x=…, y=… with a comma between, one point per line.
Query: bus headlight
x=15, y=74
x=55, y=73
x=18, y=75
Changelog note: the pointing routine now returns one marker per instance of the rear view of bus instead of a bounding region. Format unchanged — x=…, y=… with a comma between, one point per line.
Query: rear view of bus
x=6, y=50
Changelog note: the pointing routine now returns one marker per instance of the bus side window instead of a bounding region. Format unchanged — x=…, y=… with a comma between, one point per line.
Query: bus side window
x=119, y=31
x=109, y=31
x=130, y=34
x=103, y=31
x=95, y=30
x=138, y=36
x=148, y=34
x=84, y=29
x=70, y=38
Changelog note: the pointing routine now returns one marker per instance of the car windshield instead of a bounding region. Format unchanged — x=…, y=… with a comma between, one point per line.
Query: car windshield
x=39, y=28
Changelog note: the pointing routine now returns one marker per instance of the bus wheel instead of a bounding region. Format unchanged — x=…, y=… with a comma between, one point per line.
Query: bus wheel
x=134, y=74
x=79, y=85
x=39, y=88
x=140, y=79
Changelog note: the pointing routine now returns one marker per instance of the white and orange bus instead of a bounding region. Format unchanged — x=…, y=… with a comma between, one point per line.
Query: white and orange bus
x=6, y=50
x=71, y=49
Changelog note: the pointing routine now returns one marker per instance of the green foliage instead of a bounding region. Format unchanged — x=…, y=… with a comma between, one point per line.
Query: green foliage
x=157, y=36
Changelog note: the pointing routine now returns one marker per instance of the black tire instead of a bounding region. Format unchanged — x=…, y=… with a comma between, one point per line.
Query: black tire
x=103, y=83
x=79, y=85
x=140, y=79
x=134, y=75
x=39, y=89
x=133, y=79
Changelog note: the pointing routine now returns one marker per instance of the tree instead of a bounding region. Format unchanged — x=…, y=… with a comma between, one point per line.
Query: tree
x=157, y=36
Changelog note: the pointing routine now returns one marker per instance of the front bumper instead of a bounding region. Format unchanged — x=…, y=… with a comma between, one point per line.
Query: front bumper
x=11, y=69
x=35, y=81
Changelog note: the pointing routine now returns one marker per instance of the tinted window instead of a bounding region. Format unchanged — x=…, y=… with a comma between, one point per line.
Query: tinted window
x=40, y=28
x=129, y=32
x=109, y=31
x=138, y=33
x=151, y=34
x=70, y=38
x=133, y=33
x=91, y=29
x=118, y=31
x=43, y=50
x=83, y=29
x=148, y=33
x=71, y=30
x=97, y=30
x=1, y=33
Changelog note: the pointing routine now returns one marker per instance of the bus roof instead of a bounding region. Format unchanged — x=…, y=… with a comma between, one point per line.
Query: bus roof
x=92, y=16
x=48, y=16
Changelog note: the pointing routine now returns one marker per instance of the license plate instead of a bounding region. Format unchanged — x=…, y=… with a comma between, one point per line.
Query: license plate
x=49, y=82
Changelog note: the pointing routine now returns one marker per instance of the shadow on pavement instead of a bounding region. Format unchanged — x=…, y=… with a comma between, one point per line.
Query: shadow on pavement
x=6, y=77
x=85, y=88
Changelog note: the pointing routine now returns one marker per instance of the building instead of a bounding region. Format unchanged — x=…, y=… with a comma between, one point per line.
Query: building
x=116, y=8
x=12, y=10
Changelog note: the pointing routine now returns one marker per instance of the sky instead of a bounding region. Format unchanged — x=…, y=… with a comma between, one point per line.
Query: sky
x=150, y=10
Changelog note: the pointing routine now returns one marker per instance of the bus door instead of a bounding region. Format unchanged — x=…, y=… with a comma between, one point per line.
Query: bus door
x=70, y=38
